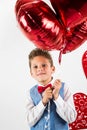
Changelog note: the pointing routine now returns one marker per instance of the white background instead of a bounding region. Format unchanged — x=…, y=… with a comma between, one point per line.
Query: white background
x=15, y=79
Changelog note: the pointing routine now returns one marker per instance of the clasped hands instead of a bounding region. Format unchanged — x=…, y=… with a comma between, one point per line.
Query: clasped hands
x=51, y=93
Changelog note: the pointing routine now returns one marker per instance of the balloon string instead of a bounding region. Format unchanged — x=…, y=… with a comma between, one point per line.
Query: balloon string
x=60, y=57
x=61, y=50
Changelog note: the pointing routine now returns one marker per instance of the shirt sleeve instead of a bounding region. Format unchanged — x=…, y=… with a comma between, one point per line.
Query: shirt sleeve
x=65, y=107
x=33, y=112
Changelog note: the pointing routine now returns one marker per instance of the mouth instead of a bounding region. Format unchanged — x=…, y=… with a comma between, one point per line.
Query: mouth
x=40, y=74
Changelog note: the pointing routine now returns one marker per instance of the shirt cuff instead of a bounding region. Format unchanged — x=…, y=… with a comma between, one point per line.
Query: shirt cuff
x=41, y=106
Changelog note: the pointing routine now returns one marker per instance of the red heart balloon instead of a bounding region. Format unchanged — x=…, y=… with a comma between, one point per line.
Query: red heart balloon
x=71, y=12
x=80, y=100
x=65, y=31
x=73, y=15
x=38, y=22
x=84, y=63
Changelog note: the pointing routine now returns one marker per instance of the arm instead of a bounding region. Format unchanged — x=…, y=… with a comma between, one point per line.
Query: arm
x=65, y=107
x=34, y=112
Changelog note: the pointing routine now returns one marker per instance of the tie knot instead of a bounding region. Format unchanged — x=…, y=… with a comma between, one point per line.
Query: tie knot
x=42, y=88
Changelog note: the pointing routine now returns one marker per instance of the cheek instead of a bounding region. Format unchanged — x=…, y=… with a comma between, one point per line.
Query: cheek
x=32, y=72
x=33, y=75
x=49, y=71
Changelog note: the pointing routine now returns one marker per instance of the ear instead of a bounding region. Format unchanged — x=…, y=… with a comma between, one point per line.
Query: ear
x=53, y=69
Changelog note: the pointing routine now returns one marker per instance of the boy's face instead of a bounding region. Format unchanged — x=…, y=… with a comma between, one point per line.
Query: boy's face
x=41, y=69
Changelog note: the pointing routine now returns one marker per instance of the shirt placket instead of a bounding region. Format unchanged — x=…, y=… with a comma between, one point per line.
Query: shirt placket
x=47, y=118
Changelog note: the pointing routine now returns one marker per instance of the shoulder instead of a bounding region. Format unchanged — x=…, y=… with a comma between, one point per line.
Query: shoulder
x=34, y=87
x=31, y=89
x=34, y=90
x=67, y=91
x=66, y=87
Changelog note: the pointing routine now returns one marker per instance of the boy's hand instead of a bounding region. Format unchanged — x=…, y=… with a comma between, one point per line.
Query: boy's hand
x=56, y=88
x=47, y=95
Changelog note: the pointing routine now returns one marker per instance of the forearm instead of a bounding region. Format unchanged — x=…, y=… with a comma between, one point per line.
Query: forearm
x=34, y=112
x=66, y=109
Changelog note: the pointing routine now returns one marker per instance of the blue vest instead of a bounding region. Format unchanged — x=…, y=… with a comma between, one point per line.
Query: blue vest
x=56, y=122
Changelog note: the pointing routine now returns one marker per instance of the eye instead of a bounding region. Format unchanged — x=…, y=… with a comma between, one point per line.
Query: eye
x=35, y=66
x=44, y=65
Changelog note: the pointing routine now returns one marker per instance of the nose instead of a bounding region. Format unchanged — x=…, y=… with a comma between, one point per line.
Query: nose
x=40, y=68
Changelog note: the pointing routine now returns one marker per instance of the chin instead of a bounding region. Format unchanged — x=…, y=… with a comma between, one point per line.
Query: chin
x=41, y=80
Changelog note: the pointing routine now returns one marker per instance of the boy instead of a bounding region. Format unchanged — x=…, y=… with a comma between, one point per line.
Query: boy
x=50, y=107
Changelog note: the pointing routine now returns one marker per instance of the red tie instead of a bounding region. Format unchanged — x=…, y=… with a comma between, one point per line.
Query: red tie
x=41, y=88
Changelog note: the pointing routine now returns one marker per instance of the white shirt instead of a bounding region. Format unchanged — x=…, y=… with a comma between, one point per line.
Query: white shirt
x=64, y=107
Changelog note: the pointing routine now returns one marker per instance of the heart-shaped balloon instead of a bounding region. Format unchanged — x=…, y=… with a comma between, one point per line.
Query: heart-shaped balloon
x=64, y=30
x=84, y=63
x=38, y=22
x=73, y=15
x=72, y=12
x=80, y=100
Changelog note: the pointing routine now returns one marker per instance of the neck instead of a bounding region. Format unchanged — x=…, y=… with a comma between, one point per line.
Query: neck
x=46, y=82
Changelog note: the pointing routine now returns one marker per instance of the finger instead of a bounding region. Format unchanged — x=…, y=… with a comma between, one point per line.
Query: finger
x=49, y=89
x=50, y=96
x=57, y=80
